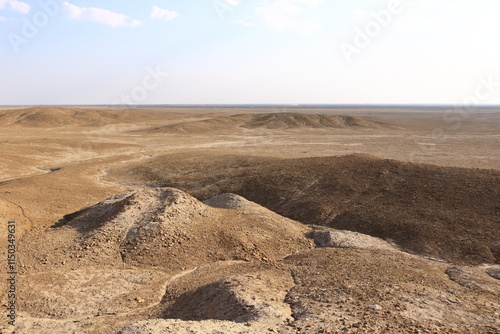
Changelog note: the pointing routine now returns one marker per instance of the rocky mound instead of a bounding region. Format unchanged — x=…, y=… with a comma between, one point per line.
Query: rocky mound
x=160, y=261
x=232, y=201
x=254, y=298
x=103, y=299
x=442, y=212
x=375, y=291
x=166, y=228
x=250, y=303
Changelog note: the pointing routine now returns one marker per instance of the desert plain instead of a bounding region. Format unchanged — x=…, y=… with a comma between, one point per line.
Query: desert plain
x=251, y=219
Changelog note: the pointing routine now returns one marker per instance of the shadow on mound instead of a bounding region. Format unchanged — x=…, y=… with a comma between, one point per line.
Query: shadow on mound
x=168, y=228
x=213, y=301
x=89, y=219
x=442, y=212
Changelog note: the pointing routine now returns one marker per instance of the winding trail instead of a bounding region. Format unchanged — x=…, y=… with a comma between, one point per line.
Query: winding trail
x=103, y=171
x=22, y=212
x=162, y=290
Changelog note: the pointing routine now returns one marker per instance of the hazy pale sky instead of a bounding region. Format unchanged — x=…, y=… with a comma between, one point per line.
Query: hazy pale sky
x=249, y=51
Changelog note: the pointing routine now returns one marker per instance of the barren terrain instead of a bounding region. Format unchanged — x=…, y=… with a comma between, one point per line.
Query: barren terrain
x=258, y=220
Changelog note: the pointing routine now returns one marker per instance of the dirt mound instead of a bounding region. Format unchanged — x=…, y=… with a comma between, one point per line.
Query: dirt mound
x=298, y=121
x=166, y=228
x=252, y=298
x=160, y=261
x=210, y=125
x=46, y=117
x=226, y=124
x=103, y=299
x=250, y=303
x=375, y=291
x=232, y=201
x=443, y=212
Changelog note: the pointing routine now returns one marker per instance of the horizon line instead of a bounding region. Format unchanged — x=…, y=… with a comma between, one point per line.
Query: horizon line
x=261, y=105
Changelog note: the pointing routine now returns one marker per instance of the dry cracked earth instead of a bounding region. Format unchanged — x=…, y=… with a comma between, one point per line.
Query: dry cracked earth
x=194, y=220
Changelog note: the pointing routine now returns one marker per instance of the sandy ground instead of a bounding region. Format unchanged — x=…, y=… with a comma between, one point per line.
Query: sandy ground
x=56, y=161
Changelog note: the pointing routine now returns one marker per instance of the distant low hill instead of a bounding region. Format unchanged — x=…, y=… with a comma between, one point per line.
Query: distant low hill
x=191, y=124
x=447, y=213
x=298, y=121
x=211, y=125
x=274, y=121
x=46, y=117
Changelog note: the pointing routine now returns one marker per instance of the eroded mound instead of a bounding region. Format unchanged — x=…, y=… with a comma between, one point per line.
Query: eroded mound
x=376, y=291
x=232, y=201
x=210, y=125
x=441, y=212
x=275, y=121
x=297, y=121
x=46, y=117
x=166, y=228
x=252, y=303
x=250, y=298
x=160, y=261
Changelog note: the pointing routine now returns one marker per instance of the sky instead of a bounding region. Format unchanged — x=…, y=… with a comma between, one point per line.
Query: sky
x=249, y=52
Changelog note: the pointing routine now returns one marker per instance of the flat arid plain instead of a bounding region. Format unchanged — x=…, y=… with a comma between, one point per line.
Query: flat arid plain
x=251, y=220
